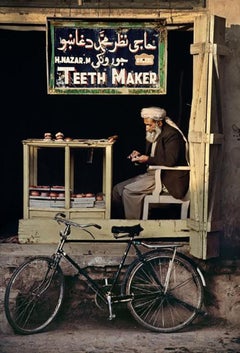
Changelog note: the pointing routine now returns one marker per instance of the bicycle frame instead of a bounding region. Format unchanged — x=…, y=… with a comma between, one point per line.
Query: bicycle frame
x=107, y=298
x=163, y=288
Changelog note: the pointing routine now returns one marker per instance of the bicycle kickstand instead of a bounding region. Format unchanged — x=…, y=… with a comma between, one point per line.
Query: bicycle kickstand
x=111, y=315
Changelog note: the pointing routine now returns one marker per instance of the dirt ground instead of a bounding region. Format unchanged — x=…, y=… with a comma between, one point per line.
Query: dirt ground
x=88, y=331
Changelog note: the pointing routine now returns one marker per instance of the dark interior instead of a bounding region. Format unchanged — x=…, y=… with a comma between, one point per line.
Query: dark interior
x=28, y=112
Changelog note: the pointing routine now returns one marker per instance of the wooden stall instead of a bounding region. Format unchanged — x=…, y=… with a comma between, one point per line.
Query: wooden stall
x=205, y=136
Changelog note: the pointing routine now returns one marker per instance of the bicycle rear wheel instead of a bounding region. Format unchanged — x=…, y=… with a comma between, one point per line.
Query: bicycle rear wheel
x=34, y=295
x=157, y=309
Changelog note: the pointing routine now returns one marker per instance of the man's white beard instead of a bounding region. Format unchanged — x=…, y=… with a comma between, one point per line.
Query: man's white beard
x=152, y=136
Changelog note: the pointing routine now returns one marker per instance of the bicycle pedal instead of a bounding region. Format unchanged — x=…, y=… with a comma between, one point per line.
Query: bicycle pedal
x=111, y=317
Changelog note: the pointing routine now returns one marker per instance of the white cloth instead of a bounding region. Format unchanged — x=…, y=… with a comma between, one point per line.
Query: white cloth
x=153, y=148
x=171, y=123
x=154, y=113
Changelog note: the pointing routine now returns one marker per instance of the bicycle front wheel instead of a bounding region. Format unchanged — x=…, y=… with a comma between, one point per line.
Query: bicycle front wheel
x=161, y=303
x=34, y=295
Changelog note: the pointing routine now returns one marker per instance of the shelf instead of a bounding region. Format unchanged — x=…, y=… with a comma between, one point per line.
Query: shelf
x=65, y=166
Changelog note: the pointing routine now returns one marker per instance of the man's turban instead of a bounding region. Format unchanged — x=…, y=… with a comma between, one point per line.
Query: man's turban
x=154, y=113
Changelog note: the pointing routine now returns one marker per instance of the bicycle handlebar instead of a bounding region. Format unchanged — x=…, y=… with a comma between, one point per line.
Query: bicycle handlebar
x=125, y=231
x=60, y=218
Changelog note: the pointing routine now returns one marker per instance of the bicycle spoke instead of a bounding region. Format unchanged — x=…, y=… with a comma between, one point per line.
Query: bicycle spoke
x=34, y=295
x=24, y=311
x=184, y=304
x=164, y=309
x=162, y=288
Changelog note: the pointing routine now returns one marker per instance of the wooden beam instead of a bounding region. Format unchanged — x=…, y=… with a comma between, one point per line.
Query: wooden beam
x=25, y=16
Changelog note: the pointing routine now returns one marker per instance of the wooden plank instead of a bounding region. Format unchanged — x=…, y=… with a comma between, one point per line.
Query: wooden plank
x=67, y=176
x=177, y=4
x=211, y=138
x=197, y=120
x=46, y=230
x=26, y=16
x=206, y=135
x=78, y=213
x=211, y=242
x=197, y=48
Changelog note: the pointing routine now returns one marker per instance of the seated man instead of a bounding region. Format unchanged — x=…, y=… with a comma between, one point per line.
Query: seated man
x=165, y=145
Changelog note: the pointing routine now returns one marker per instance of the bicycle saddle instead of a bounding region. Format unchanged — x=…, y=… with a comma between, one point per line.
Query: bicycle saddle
x=129, y=230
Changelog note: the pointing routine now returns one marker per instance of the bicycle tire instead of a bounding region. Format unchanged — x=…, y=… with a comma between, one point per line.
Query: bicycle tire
x=34, y=295
x=151, y=307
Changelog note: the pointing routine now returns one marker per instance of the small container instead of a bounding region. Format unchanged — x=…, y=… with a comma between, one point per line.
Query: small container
x=59, y=136
x=99, y=197
x=44, y=194
x=68, y=139
x=35, y=193
x=53, y=194
x=89, y=194
x=47, y=136
x=80, y=195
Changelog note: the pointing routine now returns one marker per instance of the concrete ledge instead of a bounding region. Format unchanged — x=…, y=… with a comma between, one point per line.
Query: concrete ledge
x=222, y=276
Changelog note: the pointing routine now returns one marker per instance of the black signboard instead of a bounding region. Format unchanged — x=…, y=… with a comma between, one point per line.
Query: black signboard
x=89, y=57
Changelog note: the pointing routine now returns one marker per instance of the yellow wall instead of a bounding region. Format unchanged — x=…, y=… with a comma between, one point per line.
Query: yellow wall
x=230, y=9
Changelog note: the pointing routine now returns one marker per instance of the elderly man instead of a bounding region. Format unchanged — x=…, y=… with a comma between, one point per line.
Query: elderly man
x=165, y=145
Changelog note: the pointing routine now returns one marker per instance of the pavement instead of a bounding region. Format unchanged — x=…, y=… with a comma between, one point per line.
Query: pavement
x=92, y=332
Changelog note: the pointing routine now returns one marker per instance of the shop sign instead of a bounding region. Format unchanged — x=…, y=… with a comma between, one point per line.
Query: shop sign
x=89, y=57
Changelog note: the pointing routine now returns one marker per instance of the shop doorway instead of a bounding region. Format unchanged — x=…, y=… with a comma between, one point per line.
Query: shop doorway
x=24, y=92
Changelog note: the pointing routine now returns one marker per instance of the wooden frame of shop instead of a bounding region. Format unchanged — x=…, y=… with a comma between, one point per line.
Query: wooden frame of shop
x=205, y=136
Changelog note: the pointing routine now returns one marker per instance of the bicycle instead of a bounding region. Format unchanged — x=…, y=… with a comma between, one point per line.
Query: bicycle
x=162, y=288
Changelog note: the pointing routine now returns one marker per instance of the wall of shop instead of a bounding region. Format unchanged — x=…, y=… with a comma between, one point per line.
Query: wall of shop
x=231, y=119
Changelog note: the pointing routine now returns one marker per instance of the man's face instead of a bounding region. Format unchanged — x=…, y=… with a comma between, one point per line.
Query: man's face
x=151, y=124
x=153, y=129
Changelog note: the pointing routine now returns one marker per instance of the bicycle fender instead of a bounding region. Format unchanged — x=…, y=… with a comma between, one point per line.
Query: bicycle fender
x=201, y=276
x=185, y=257
x=196, y=266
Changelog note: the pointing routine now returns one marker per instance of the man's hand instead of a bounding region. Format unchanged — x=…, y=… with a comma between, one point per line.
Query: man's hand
x=140, y=159
x=134, y=154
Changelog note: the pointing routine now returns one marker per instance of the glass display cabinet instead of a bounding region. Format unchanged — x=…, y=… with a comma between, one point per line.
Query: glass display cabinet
x=74, y=177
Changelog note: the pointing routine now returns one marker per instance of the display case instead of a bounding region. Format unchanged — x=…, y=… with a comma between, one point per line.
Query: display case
x=74, y=177
x=68, y=177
